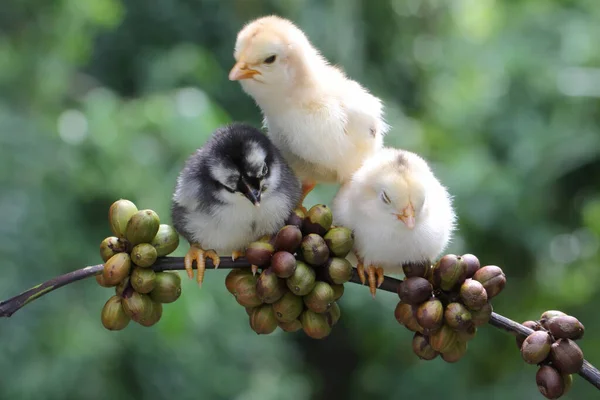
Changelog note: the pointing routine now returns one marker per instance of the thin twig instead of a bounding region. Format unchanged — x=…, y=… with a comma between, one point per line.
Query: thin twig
x=14, y=304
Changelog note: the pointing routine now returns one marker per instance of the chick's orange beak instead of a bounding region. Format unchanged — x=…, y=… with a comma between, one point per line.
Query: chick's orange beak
x=407, y=216
x=241, y=71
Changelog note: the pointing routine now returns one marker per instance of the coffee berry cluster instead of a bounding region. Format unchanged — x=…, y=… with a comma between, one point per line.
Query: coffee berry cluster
x=552, y=346
x=139, y=239
x=445, y=303
x=303, y=271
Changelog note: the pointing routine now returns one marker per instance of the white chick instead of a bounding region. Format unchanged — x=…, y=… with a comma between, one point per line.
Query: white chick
x=399, y=213
x=324, y=124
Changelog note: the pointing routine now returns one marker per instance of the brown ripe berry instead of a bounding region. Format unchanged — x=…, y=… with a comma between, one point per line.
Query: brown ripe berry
x=416, y=269
x=288, y=239
x=296, y=218
x=457, y=316
x=455, y=352
x=136, y=305
x=472, y=264
x=144, y=255
x=167, y=287
x=566, y=356
x=288, y=308
x=234, y=276
x=492, y=278
x=340, y=241
x=482, y=316
x=422, y=348
x=143, y=279
x=318, y=220
x=303, y=280
x=536, y=347
x=315, y=325
x=283, y=264
x=154, y=316
x=119, y=214
x=116, y=269
x=113, y=316
x=548, y=315
x=293, y=326
x=245, y=292
x=262, y=320
x=259, y=253
x=449, y=272
x=338, y=291
x=565, y=327
x=142, y=227
x=314, y=250
x=405, y=316
x=467, y=334
x=338, y=270
x=473, y=294
x=333, y=314
x=414, y=290
x=111, y=246
x=443, y=339
x=320, y=298
x=166, y=240
x=269, y=288
x=550, y=383
x=430, y=314
x=528, y=324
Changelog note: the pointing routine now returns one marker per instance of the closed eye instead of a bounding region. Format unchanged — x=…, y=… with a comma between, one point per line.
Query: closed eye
x=230, y=190
x=385, y=198
x=264, y=170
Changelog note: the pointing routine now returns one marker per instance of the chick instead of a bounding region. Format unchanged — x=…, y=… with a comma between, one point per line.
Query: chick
x=232, y=191
x=324, y=124
x=399, y=212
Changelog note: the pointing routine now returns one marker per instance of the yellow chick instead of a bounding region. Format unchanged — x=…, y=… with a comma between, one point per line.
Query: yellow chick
x=324, y=123
x=399, y=213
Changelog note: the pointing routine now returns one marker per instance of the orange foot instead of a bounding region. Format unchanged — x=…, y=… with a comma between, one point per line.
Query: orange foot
x=198, y=254
x=374, y=274
x=237, y=254
x=307, y=187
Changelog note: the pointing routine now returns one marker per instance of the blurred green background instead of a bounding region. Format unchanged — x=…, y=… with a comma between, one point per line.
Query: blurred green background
x=103, y=99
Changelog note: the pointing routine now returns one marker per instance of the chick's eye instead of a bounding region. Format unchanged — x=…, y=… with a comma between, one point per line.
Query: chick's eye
x=270, y=60
x=264, y=170
x=385, y=198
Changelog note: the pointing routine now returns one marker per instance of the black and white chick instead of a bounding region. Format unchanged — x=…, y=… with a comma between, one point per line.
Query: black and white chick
x=232, y=191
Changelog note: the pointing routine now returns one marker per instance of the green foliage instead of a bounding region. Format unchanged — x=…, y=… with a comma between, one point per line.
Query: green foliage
x=103, y=99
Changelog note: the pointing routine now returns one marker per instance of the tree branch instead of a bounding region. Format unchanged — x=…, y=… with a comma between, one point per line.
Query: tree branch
x=14, y=304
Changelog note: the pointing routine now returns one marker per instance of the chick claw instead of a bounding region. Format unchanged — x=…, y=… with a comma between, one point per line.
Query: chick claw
x=237, y=254
x=376, y=278
x=198, y=254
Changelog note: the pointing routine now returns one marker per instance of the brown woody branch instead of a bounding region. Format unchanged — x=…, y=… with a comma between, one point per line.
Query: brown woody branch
x=14, y=304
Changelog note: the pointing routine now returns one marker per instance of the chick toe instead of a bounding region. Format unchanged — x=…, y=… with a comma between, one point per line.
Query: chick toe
x=237, y=254
x=373, y=275
x=198, y=254
x=380, y=276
